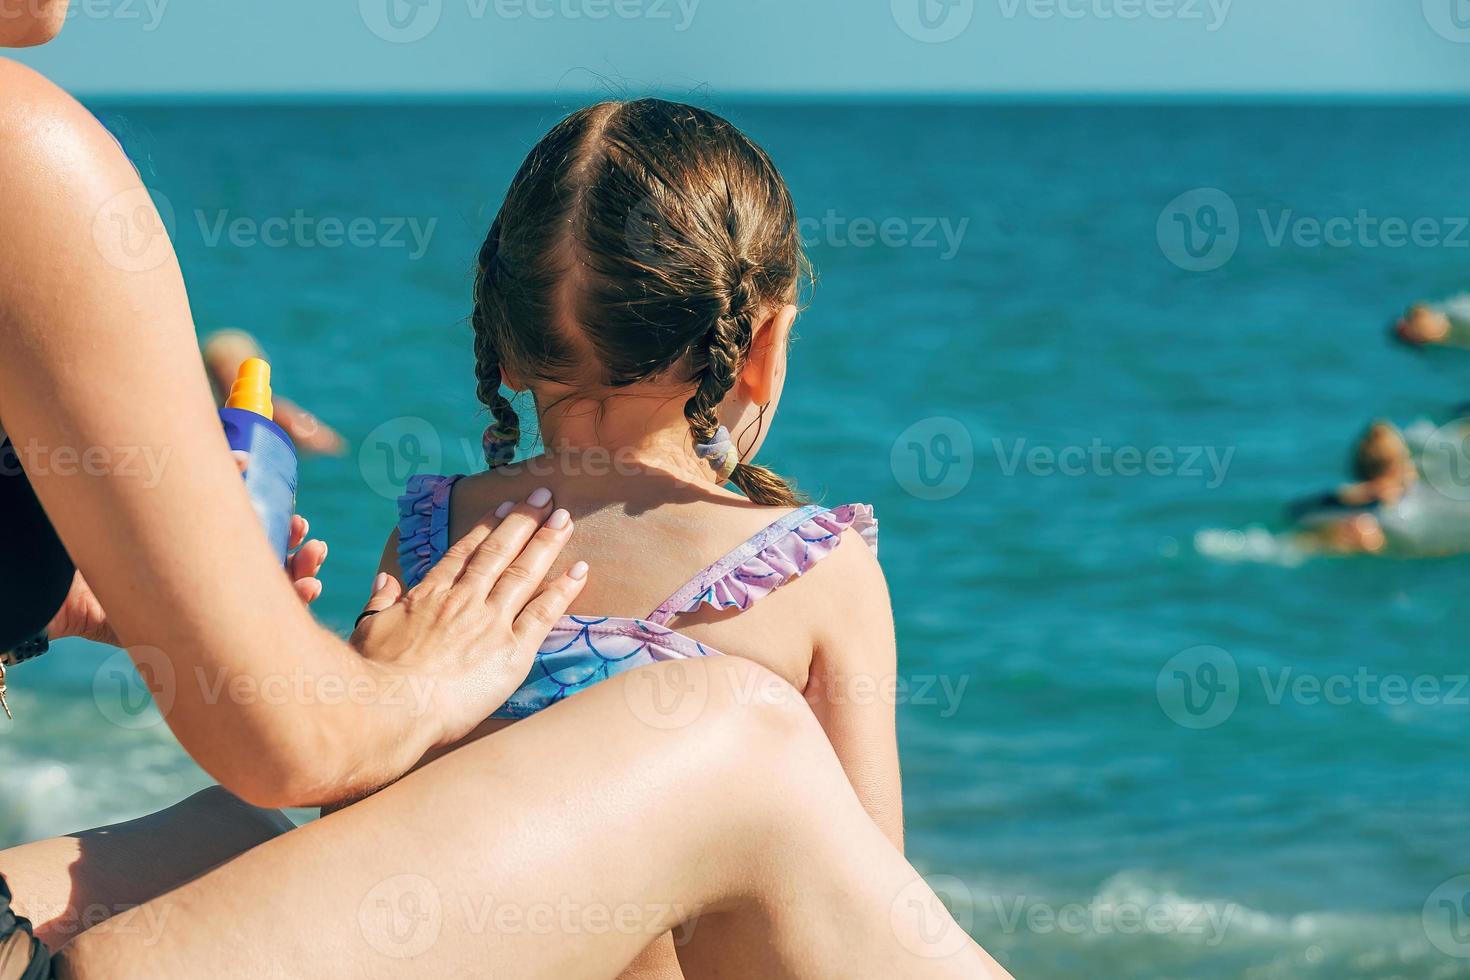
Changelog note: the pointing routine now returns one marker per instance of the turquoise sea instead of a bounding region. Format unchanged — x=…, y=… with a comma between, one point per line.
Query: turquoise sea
x=1127, y=754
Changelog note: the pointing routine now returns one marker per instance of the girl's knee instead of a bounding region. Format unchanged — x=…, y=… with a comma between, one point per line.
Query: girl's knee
x=229, y=815
x=718, y=696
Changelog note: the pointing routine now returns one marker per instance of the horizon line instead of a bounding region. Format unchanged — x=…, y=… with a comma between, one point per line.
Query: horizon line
x=982, y=98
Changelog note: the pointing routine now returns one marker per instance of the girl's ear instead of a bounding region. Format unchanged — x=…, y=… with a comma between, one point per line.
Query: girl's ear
x=511, y=381
x=761, y=377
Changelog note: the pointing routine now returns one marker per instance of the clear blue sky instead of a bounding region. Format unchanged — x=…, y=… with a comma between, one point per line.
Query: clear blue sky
x=510, y=47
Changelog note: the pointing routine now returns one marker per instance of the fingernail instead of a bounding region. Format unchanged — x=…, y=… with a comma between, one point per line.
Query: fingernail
x=504, y=509
x=539, y=498
x=577, y=571
x=558, y=519
x=381, y=582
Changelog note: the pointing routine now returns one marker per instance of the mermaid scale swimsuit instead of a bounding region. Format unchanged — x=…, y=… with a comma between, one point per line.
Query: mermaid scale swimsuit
x=583, y=650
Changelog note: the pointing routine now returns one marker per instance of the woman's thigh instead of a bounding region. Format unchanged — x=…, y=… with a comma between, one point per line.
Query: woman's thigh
x=558, y=848
x=68, y=884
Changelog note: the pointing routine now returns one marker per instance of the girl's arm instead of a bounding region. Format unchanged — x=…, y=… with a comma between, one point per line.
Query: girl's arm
x=851, y=687
x=103, y=394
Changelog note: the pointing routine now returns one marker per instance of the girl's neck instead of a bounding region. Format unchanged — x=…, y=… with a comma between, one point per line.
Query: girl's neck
x=637, y=430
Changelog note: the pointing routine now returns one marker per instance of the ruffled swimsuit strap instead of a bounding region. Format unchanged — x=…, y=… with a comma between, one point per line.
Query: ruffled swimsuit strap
x=423, y=525
x=770, y=559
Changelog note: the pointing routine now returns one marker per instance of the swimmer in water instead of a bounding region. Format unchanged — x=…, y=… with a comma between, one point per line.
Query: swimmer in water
x=1389, y=507
x=1347, y=520
x=1444, y=324
x=1383, y=466
x=224, y=351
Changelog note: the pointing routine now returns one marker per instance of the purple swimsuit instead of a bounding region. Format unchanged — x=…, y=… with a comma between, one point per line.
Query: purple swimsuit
x=583, y=650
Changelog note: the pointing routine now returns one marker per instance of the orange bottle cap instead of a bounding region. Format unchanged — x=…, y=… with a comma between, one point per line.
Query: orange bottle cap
x=252, y=388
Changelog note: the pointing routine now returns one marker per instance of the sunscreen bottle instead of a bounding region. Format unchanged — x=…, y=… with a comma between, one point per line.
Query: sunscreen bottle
x=248, y=418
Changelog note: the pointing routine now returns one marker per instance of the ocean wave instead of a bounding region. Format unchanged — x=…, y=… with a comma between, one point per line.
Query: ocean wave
x=1136, y=925
x=66, y=769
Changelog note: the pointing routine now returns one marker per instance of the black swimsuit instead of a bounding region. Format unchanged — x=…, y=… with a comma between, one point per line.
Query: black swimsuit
x=22, y=955
x=33, y=563
x=37, y=573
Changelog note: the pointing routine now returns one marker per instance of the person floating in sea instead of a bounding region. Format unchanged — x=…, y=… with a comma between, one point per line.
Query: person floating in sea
x=224, y=351
x=1346, y=520
x=1388, y=508
x=1445, y=324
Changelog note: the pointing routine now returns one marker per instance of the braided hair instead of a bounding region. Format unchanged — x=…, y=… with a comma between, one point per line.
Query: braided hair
x=504, y=433
x=638, y=240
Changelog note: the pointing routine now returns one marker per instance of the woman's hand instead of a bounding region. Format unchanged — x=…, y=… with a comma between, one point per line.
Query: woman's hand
x=82, y=614
x=469, y=632
x=305, y=561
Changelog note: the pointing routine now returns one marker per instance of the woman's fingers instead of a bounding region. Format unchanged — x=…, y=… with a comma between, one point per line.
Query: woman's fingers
x=299, y=527
x=309, y=589
x=518, y=581
x=489, y=547
x=386, y=591
x=542, y=612
x=509, y=526
x=308, y=560
x=497, y=558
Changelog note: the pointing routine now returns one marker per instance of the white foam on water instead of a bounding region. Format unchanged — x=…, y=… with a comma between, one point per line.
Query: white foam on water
x=1135, y=924
x=66, y=769
x=1251, y=544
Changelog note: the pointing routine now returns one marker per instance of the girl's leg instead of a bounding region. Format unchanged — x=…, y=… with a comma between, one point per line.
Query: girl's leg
x=68, y=884
x=560, y=848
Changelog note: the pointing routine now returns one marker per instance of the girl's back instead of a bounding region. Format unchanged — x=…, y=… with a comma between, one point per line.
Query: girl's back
x=649, y=536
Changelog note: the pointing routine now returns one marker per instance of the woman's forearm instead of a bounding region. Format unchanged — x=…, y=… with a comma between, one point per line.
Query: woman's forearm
x=103, y=395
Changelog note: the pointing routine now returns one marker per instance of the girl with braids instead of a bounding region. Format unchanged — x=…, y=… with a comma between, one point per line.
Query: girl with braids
x=640, y=284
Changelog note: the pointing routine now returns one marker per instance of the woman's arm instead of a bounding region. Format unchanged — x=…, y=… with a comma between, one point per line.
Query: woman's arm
x=103, y=394
x=852, y=684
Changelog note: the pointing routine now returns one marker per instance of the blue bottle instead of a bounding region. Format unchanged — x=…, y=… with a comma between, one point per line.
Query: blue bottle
x=270, y=479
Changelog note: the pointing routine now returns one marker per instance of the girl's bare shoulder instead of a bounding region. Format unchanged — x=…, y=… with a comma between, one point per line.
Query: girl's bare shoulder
x=701, y=517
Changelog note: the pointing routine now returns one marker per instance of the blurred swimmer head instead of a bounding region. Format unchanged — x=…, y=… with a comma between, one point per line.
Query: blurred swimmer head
x=27, y=23
x=1422, y=325
x=1382, y=456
